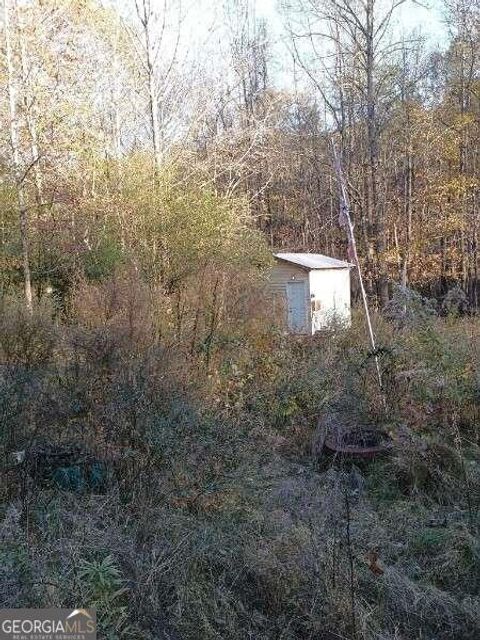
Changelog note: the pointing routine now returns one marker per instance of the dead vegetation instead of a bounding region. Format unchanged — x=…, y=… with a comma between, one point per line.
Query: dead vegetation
x=213, y=517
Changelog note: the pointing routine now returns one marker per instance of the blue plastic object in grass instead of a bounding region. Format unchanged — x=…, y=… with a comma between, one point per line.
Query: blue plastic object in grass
x=99, y=476
x=79, y=478
x=69, y=478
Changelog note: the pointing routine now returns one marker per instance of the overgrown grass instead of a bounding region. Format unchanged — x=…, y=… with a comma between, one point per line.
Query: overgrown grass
x=218, y=520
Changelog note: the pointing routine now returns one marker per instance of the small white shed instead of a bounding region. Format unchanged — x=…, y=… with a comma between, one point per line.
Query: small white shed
x=313, y=290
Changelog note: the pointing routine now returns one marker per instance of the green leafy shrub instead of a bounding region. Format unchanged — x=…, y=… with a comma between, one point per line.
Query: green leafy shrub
x=103, y=588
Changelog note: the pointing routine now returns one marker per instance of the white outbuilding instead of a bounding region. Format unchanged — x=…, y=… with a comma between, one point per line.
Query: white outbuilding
x=310, y=290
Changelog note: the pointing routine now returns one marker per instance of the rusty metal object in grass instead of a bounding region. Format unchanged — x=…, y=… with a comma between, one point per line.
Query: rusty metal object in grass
x=359, y=442
x=356, y=442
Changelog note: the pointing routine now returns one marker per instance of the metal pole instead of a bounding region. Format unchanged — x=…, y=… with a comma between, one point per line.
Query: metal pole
x=345, y=215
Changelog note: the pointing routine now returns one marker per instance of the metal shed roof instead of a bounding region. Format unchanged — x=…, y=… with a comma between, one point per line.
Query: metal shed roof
x=313, y=260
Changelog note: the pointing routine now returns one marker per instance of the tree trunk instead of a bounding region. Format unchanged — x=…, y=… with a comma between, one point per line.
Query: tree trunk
x=152, y=89
x=377, y=209
x=17, y=161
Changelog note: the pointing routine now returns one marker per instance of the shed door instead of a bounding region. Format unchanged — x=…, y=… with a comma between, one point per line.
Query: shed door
x=296, y=302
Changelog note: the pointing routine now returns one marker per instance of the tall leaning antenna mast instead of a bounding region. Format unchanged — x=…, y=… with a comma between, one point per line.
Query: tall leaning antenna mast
x=345, y=222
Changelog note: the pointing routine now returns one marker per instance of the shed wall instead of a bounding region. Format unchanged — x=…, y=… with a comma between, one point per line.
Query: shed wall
x=330, y=295
x=280, y=274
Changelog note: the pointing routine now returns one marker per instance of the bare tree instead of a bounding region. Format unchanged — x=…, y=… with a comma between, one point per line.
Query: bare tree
x=19, y=169
x=346, y=49
x=157, y=42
